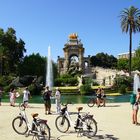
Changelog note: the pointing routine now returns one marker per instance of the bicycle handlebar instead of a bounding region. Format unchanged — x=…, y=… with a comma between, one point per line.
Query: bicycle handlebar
x=66, y=103
x=22, y=106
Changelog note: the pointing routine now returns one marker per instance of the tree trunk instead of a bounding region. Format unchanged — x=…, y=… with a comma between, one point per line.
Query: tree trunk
x=130, y=51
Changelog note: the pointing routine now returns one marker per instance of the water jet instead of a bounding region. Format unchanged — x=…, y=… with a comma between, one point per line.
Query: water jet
x=49, y=70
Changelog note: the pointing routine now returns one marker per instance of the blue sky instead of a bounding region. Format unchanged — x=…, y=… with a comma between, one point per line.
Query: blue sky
x=41, y=23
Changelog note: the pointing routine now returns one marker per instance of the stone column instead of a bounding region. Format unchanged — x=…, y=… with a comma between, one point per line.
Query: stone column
x=66, y=61
x=81, y=65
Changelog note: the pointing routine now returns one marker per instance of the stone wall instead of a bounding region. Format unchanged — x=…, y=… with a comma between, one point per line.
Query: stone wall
x=104, y=76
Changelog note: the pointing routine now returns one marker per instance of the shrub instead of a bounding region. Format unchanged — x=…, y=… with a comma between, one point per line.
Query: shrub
x=122, y=89
x=85, y=89
x=94, y=83
x=34, y=89
x=65, y=80
x=122, y=82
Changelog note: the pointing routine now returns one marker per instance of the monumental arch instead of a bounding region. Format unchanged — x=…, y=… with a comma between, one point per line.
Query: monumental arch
x=74, y=55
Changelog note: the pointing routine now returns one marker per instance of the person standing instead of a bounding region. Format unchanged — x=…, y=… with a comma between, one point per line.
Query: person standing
x=26, y=96
x=58, y=100
x=47, y=100
x=135, y=108
x=12, y=97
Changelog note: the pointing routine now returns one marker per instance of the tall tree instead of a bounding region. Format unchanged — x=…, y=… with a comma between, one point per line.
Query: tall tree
x=11, y=51
x=35, y=65
x=130, y=22
x=104, y=60
x=122, y=64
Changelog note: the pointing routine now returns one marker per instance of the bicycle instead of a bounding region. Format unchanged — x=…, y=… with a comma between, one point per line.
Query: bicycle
x=91, y=102
x=38, y=128
x=84, y=123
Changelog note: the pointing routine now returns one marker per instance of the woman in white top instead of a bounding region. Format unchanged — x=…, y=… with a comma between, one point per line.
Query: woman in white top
x=26, y=95
x=58, y=100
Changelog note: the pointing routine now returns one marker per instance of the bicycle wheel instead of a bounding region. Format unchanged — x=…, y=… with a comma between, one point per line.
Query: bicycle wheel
x=90, y=127
x=19, y=125
x=91, y=102
x=62, y=124
x=44, y=131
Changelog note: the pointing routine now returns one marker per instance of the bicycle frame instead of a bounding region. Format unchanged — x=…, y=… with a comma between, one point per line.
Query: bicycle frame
x=70, y=120
x=23, y=115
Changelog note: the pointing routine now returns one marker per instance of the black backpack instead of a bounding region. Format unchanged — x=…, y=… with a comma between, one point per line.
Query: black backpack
x=46, y=95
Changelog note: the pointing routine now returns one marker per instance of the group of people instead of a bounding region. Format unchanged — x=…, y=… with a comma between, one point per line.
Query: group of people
x=13, y=94
x=47, y=100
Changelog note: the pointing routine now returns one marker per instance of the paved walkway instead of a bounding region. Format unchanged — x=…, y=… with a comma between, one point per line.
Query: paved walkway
x=114, y=122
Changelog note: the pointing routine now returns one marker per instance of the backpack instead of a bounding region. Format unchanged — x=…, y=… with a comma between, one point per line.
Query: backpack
x=133, y=99
x=46, y=95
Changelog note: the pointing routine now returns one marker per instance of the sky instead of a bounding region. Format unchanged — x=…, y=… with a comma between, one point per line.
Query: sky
x=40, y=23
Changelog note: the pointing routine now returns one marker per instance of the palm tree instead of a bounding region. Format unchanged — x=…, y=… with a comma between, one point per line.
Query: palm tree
x=130, y=22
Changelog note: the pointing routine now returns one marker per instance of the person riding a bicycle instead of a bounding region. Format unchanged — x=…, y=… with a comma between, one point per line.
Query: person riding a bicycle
x=100, y=96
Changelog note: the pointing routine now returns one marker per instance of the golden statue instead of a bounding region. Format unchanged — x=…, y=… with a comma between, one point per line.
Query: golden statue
x=73, y=36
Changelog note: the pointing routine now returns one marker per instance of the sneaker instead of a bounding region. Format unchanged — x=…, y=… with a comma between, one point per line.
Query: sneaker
x=49, y=113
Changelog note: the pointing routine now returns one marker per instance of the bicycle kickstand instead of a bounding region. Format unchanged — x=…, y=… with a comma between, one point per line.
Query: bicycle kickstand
x=34, y=137
x=79, y=132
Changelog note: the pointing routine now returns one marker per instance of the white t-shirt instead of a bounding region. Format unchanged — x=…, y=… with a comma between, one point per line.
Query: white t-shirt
x=26, y=94
x=57, y=95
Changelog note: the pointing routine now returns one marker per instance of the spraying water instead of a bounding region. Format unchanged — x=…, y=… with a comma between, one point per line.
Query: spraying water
x=49, y=74
x=136, y=83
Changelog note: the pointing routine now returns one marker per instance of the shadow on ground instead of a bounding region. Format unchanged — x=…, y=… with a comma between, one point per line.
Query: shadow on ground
x=104, y=137
x=78, y=135
x=112, y=105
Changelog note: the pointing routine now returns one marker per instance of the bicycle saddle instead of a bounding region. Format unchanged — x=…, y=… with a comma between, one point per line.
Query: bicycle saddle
x=34, y=115
x=79, y=108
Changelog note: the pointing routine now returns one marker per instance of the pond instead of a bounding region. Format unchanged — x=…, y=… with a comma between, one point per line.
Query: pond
x=75, y=99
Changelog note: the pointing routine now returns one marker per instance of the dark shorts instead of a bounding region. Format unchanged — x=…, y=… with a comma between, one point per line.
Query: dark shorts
x=0, y=100
x=47, y=103
x=26, y=102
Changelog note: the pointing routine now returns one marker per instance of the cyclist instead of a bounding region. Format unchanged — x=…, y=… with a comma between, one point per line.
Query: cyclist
x=100, y=96
x=103, y=96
